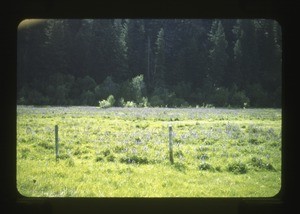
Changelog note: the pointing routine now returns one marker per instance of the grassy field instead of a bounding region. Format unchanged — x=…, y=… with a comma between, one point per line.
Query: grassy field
x=124, y=152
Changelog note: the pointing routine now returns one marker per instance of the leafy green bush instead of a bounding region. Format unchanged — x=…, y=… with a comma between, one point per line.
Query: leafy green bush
x=134, y=159
x=237, y=168
x=205, y=166
x=138, y=88
x=87, y=98
x=156, y=101
x=107, y=103
x=144, y=102
x=111, y=100
x=104, y=104
x=239, y=99
x=130, y=104
x=121, y=102
x=220, y=97
x=256, y=141
x=260, y=164
x=110, y=158
x=108, y=87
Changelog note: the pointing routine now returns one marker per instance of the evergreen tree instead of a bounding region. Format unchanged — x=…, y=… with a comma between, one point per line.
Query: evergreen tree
x=217, y=54
x=159, y=67
x=137, y=57
x=121, y=29
x=223, y=62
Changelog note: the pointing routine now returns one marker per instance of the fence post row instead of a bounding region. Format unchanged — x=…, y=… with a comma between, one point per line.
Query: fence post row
x=170, y=143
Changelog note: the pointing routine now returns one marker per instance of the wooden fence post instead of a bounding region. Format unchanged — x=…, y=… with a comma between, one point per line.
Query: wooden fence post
x=56, y=142
x=171, y=144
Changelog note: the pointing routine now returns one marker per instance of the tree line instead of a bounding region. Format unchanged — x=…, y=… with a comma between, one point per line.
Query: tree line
x=151, y=62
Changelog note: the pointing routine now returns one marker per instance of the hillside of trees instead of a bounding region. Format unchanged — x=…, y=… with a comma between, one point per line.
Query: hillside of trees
x=151, y=62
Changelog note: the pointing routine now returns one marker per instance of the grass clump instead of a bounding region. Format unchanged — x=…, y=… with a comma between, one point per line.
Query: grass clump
x=237, y=168
x=205, y=166
x=134, y=159
x=258, y=163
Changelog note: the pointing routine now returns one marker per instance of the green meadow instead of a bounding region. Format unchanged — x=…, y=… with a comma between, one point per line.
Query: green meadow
x=124, y=152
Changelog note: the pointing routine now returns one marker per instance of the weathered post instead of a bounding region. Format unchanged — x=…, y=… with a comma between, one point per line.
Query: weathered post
x=171, y=144
x=56, y=142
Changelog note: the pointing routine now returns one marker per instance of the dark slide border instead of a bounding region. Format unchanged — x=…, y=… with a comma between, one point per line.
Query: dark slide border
x=285, y=12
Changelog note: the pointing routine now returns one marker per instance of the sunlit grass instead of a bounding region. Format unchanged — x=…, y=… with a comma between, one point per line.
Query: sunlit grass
x=123, y=152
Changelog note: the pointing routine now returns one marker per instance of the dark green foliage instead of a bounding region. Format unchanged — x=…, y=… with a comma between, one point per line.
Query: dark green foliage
x=110, y=158
x=205, y=166
x=255, y=141
x=237, y=168
x=46, y=145
x=151, y=62
x=178, y=154
x=134, y=159
x=260, y=164
x=202, y=156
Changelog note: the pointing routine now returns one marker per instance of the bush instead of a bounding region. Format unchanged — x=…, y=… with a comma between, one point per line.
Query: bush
x=259, y=163
x=111, y=100
x=144, y=102
x=183, y=90
x=134, y=159
x=86, y=83
x=205, y=166
x=87, y=98
x=108, y=87
x=237, y=168
x=107, y=103
x=257, y=95
x=104, y=104
x=138, y=88
x=220, y=97
x=178, y=102
x=121, y=102
x=130, y=104
x=239, y=99
x=156, y=101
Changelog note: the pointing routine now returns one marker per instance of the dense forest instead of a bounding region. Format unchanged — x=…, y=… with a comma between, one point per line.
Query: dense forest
x=150, y=62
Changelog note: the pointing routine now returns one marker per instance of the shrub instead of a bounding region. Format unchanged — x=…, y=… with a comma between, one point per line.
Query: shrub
x=255, y=141
x=138, y=87
x=156, y=101
x=202, y=157
x=107, y=103
x=87, y=98
x=107, y=88
x=239, y=99
x=104, y=104
x=99, y=158
x=259, y=163
x=111, y=100
x=257, y=95
x=144, y=102
x=237, y=168
x=134, y=159
x=220, y=97
x=130, y=104
x=110, y=158
x=205, y=166
x=183, y=89
x=121, y=102
x=87, y=83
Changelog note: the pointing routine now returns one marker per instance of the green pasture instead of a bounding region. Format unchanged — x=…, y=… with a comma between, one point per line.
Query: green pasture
x=124, y=152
